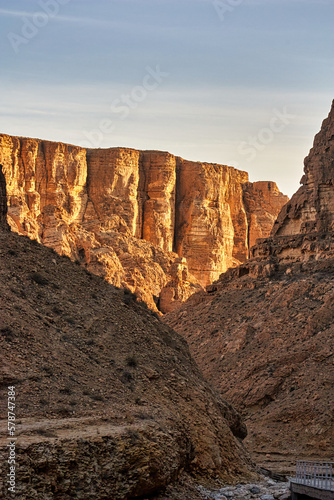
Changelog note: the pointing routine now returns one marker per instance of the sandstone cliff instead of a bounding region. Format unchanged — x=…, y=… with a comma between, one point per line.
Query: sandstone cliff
x=264, y=332
x=145, y=220
x=312, y=207
x=109, y=402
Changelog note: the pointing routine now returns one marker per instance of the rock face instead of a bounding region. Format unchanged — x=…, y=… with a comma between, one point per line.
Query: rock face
x=264, y=332
x=109, y=402
x=130, y=216
x=262, y=201
x=3, y=202
x=312, y=207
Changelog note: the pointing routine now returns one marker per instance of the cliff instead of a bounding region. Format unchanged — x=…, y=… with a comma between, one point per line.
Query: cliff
x=312, y=207
x=264, y=333
x=145, y=220
x=110, y=403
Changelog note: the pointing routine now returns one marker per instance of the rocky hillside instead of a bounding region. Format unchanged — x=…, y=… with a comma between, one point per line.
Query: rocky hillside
x=264, y=332
x=109, y=403
x=148, y=221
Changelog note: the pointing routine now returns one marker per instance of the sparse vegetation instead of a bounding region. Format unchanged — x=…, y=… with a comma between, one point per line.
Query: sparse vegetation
x=126, y=377
x=45, y=432
x=66, y=390
x=48, y=370
x=7, y=332
x=63, y=411
x=131, y=361
x=39, y=279
x=129, y=297
x=97, y=397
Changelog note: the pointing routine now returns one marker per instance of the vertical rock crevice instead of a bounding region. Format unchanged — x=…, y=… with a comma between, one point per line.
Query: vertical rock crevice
x=3, y=202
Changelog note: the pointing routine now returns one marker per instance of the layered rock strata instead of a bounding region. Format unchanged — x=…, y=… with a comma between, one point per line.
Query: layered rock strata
x=264, y=332
x=130, y=215
x=312, y=207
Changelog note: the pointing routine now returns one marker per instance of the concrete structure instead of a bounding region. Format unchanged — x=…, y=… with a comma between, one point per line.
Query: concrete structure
x=313, y=480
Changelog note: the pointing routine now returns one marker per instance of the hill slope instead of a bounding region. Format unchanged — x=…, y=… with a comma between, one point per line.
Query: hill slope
x=264, y=332
x=109, y=403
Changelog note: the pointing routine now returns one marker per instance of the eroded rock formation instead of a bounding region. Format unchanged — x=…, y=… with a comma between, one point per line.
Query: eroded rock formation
x=130, y=216
x=312, y=207
x=264, y=332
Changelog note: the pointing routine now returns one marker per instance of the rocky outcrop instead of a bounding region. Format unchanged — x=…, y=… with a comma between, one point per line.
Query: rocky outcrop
x=3, y=202
x=312, y=207
x=130, y=216
x=111, y=404
x=262, y=201
x=205, y=226
x=264, y=333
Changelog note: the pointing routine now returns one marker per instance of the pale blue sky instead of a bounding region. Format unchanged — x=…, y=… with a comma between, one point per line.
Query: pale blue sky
x=240, y=82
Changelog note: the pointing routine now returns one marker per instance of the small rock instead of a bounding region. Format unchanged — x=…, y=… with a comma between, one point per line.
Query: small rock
x=285, y=496
x=267, y=497
x=255, y=490
x=271, y=482
x=228, y=494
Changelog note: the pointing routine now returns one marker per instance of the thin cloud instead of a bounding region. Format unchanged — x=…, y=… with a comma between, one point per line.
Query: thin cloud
x=58, y=17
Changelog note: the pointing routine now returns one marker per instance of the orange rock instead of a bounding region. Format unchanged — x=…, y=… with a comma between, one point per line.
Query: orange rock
x=312, y=207
x=131, y=215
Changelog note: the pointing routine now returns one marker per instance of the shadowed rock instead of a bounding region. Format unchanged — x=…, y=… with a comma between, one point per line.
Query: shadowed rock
x=3, y=202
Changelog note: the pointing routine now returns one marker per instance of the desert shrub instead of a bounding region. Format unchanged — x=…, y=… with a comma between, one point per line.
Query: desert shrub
x=97, y=397
x=66, y=390
x=39, y=279
x=129, y=297
x=126, y=377
x=131, y=361
x=45, y=432
x=7, y=332
x=48, y=370
x=64, y=411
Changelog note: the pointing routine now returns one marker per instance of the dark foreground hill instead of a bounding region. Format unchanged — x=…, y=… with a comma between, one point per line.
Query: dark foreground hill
x=109, y=403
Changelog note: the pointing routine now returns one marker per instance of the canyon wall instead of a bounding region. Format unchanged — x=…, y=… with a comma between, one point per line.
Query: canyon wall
x=264, y=332
x=145, y=220
x=312, y=207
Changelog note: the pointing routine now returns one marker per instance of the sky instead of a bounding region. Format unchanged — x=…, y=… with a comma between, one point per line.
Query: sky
x=244, y=83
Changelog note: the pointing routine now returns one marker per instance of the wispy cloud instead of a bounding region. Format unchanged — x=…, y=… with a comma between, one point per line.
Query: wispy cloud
x=58, y=17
